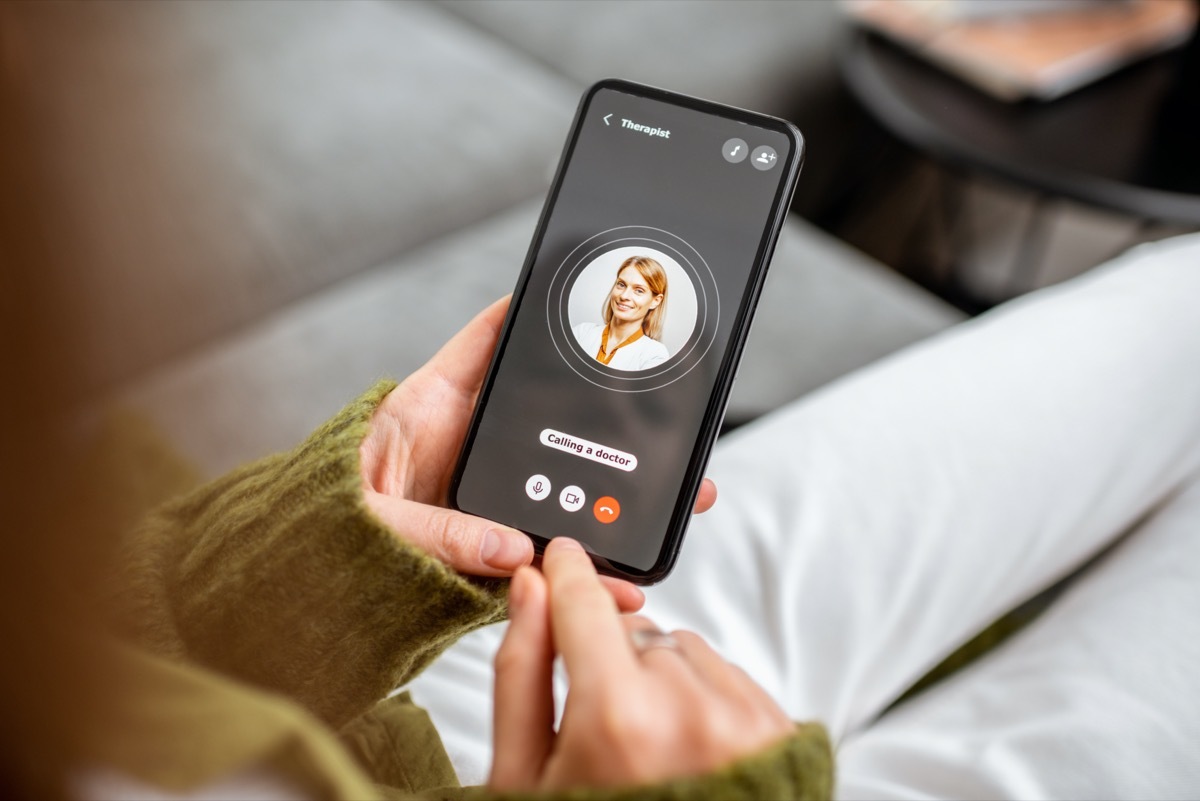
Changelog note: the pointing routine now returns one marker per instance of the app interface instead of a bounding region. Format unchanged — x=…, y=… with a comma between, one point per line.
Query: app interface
x=613, y=357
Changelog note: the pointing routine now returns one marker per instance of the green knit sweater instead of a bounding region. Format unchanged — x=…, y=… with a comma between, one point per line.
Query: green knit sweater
x=268, y=613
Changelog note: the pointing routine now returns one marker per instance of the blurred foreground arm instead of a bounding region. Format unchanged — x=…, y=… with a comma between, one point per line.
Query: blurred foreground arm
x=279, y=575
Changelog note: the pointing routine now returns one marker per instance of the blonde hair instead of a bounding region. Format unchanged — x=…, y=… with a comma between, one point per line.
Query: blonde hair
x=656, y=279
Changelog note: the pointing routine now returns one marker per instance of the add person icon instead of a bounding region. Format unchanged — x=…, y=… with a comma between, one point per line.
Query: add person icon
x=763, y=158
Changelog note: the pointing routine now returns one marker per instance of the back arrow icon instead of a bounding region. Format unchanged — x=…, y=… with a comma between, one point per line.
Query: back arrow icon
x=606, y=116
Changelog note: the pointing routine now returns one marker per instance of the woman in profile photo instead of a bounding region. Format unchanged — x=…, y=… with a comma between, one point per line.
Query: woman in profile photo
x=634, y=312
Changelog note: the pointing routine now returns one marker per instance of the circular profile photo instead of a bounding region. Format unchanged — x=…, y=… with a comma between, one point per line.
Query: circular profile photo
x=632, y=308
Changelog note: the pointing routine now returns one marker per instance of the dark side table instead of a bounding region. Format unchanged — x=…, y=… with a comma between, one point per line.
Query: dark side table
x=1129, y=142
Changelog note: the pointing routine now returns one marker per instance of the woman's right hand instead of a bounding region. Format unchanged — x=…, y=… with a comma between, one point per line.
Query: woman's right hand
x=633, y=716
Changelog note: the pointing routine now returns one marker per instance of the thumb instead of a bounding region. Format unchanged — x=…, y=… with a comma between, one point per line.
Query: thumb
x=464, y=359
x=471, y=545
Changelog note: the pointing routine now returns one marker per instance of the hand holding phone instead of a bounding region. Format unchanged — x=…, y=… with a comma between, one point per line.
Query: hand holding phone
x=406, y=462
x=615, y=363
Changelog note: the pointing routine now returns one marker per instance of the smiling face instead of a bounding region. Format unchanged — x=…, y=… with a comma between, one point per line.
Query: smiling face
x=632, y=298
x=639, y=294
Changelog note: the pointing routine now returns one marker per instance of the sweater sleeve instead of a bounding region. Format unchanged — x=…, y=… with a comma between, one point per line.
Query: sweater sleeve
x=277, y=574
x=799, y=768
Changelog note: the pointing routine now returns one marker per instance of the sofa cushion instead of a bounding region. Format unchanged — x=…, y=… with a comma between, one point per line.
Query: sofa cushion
x=771, y=56
x=210, y=162
x=825, y=311
x=759, y=54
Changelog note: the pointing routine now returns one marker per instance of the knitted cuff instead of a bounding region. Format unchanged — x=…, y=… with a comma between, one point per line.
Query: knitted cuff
x=279, y=575
x=800, y=768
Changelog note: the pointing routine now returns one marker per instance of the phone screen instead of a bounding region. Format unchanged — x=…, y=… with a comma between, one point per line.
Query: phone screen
x=594, y=421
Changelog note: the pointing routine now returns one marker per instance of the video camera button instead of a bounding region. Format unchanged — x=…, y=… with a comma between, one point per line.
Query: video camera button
x=537, y=487
x=572, y=498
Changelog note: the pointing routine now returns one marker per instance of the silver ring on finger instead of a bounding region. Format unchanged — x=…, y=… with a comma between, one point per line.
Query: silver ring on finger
x=644, y=640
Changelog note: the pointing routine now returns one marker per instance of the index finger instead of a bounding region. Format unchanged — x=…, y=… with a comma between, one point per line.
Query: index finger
x=583, y=615
x=706, y=497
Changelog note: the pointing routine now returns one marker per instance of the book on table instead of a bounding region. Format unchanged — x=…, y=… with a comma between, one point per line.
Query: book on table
x=1040, y=49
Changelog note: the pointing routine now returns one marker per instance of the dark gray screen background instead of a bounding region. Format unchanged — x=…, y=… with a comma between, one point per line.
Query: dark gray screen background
x=619, y=177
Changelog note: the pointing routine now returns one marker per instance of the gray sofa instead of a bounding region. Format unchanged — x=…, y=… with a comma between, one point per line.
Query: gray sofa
x=260, y=207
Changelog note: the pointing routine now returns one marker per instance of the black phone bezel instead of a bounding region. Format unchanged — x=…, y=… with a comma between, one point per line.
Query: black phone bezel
x=715, y=412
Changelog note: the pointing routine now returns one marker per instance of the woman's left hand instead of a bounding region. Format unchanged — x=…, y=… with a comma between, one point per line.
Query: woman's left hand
x=408, y=460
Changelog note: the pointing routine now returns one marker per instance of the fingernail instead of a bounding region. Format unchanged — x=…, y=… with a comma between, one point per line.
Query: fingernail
x=505, y=549
x=567, y=542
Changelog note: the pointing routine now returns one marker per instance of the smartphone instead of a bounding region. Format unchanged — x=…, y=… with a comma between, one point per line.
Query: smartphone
x=612, y=372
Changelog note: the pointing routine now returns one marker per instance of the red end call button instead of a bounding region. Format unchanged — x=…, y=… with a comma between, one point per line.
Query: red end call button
x=606, y=509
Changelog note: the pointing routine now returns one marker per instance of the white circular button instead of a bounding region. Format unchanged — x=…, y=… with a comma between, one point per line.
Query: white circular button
x=735, y=150
x=571, y=498
x=537, y=487
x=763, y=158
